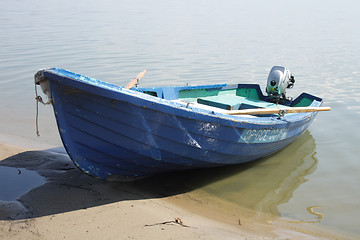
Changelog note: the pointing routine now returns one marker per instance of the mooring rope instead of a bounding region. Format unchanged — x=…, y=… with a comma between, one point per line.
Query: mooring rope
x=39, y=100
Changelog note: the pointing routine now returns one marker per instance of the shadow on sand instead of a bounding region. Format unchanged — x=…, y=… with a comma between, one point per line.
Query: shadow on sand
x=266, y=182
x=67, y=189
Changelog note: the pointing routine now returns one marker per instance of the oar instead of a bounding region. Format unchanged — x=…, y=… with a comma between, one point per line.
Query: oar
x=260, y=111
x=135, y=80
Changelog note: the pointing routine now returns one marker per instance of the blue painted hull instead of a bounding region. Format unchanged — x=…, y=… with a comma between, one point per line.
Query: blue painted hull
x=111, y=132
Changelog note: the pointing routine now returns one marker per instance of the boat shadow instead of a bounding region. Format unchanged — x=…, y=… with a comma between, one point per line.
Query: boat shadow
x=67, y=189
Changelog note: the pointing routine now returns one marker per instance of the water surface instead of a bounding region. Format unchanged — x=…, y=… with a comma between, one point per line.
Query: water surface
x=15, y=182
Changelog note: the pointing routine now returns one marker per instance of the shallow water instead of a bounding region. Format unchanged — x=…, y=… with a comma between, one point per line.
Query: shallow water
x=208, y=42
x=15, y=182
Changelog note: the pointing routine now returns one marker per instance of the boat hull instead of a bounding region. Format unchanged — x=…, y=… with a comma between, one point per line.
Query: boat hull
x=112, y=133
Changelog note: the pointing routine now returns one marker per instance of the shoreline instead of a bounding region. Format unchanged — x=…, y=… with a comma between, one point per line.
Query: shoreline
x=70, y=204
x=273, y=227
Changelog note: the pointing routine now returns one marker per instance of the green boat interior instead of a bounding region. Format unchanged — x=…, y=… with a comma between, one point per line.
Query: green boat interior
x=227, y=97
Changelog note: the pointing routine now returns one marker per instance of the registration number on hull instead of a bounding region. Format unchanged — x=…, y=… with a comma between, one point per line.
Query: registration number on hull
x=263, y=135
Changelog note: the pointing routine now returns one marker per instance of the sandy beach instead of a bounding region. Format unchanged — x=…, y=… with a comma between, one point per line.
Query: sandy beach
x=71, y=205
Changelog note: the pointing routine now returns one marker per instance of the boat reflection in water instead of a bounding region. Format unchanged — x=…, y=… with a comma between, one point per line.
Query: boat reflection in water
x=270, y=182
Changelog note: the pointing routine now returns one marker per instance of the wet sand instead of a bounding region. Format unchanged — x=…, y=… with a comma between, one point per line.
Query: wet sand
x=73, y=205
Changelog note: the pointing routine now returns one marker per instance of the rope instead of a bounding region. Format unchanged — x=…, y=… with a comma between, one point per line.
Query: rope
x=39, y=100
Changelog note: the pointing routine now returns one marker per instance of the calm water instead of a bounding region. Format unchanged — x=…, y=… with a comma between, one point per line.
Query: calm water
x=196, y=42
x=21, y=181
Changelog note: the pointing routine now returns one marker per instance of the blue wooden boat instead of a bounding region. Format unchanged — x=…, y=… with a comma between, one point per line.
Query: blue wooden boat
x=114, y=132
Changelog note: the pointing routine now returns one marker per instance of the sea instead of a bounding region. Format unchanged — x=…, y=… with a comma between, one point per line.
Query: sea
x=313, y=180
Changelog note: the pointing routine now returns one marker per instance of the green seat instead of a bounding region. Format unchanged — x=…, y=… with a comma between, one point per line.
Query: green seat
x=233, y=102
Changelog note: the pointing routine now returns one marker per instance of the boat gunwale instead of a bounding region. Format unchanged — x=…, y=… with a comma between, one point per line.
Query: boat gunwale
x=112, y=91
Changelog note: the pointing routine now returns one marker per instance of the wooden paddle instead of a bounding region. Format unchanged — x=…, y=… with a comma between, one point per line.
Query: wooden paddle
x=135, y=80
x=281, y=111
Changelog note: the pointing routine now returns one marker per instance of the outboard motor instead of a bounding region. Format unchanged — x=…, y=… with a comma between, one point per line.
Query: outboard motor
x=278, y=81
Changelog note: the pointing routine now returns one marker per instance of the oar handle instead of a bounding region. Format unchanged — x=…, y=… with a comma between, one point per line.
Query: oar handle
x=135, y=80
x=260, y=111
